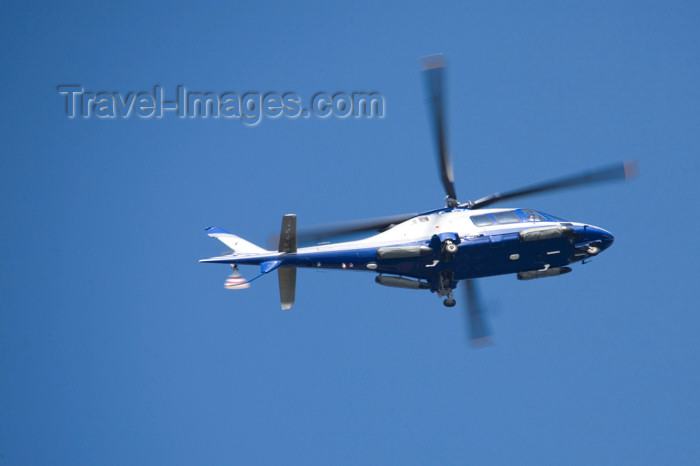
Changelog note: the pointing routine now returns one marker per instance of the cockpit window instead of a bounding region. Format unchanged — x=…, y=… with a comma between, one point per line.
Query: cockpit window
x=533, y=216
x=508, y=216
x=552, y=217
x=482, y=220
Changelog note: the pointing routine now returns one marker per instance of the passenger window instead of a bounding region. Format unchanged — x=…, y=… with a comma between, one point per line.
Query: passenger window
x=506, y=217
x=533, y=216
x=482, y=220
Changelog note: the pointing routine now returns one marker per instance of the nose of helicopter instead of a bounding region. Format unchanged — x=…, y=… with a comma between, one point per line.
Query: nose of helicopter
x=593, y=233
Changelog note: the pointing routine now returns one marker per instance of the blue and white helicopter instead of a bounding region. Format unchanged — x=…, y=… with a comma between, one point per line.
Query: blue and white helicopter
x=436, y=250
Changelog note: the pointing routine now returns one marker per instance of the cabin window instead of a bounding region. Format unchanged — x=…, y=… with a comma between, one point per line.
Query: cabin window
x=506, y=217
x=533, y=216
x=482, y=220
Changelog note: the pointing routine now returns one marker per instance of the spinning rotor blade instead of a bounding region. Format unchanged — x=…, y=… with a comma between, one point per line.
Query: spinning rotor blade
x=479, y=333
x=322, y=233
x=618, y=171
x=433, y=67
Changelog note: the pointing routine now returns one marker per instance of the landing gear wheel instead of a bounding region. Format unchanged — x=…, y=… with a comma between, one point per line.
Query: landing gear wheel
x=449, y=302
x=449, y=250
x=592, y=250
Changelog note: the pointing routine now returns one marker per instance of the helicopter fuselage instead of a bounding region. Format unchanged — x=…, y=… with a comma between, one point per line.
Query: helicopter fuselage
x=436, y=250
x=465, y=243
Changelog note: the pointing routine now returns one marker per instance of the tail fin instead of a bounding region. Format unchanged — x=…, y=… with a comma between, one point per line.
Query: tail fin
x=288, y=275
x=288, y=235
x=237, y=244
x=288, y=280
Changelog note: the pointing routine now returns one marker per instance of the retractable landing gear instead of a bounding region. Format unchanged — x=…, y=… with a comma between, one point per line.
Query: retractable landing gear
x=449, y=249
x=592, y=249
x=586, y=251
x=446, y=277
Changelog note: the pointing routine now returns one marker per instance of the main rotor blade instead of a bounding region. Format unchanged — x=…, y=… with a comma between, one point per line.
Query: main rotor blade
x=433, y=69
x=479, y=333
x=618, y=171
x=326, y=232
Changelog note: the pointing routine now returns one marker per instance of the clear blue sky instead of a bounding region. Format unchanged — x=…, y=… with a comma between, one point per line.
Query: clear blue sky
x=117, y=347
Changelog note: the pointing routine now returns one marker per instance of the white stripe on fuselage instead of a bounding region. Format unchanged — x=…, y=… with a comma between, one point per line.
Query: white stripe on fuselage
x=423, y=227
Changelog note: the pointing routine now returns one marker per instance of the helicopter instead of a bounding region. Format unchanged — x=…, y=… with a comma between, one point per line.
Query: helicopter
x=437, y=249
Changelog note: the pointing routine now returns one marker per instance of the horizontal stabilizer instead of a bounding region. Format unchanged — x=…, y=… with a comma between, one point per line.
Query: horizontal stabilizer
x=217, y=260
x=236, y=243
